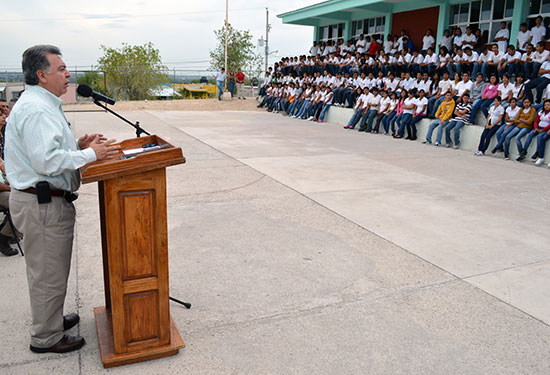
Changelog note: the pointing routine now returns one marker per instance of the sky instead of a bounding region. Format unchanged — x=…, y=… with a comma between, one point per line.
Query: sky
x=182, y=30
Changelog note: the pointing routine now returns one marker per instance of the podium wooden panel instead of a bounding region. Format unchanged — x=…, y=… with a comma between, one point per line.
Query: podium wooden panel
x=135, y=323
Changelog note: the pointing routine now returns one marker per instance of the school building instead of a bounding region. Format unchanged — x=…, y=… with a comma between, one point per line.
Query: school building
x=347, y=19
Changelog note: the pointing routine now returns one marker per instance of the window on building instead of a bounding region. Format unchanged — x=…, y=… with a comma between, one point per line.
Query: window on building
x=483, y=14
x=368, y=27
x=536, y=8
x=331, y=32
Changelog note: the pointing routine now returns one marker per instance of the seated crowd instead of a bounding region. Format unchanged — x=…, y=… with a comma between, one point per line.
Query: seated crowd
x=391, y=86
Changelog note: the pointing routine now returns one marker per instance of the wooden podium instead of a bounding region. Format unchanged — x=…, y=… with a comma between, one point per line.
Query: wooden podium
x=135, y=323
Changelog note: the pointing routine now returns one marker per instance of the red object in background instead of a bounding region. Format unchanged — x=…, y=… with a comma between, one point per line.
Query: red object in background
x=375, y=46
x=416, y=23
x=240, y=77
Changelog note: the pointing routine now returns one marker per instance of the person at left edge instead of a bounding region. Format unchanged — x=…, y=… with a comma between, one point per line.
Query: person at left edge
x=40, y=147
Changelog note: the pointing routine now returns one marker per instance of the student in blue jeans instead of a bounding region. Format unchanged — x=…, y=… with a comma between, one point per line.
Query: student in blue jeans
x=443, y=115
x=220, y=80
x=525, y=121
x=494, y=121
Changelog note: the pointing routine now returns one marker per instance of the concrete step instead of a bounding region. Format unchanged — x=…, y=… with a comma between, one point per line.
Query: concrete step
x=469, y=135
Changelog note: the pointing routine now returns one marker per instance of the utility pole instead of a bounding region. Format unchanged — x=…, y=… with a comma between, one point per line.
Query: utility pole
x=267, y=27
x=226, y=35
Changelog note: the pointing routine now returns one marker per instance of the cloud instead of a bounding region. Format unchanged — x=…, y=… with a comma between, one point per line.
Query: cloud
x=181, y=30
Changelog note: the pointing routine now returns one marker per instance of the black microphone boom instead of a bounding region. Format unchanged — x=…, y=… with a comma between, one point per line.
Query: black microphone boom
x=86, y=91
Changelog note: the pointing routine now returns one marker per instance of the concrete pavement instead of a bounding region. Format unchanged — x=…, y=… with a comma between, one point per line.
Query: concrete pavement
x=307, y=249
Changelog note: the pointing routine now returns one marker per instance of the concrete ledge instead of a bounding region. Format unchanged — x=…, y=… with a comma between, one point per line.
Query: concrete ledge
x=469, y=136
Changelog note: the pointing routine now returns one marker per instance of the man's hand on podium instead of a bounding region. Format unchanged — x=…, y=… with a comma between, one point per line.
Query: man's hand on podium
x=86, y=139
x=103, y=148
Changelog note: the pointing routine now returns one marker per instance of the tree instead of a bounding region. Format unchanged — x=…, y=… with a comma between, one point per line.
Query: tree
x=92, y=79
x=240, y=52
x=132, y=71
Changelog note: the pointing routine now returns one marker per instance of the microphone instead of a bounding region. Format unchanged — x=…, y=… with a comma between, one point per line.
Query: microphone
x=86, y=91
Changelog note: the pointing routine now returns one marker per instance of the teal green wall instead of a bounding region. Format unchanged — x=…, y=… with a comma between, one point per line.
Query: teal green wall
x=333, y=12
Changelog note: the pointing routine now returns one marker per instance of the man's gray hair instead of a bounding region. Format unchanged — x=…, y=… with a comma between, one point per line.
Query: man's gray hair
x=35, y=59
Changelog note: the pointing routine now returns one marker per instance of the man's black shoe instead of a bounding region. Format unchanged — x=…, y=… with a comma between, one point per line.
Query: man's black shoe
x=65, y=345
x=8, y=252
x=5, y=247
x=520, y=158
x=69, y=321
x=362, y=129
x=535, y=156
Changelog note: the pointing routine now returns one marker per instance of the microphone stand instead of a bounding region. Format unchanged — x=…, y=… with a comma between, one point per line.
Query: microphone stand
x=139, y=131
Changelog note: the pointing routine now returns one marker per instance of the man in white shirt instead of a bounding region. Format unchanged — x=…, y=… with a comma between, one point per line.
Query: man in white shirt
x=373, y=102
x=428, y=41
x=42, y=164
x=388, y=44
x=457, y=40
x=538, y=32
x=360, y=44
x=481, y=65
x=220, y=79
x=524, y=38
x=455, y=66
x=314, y=50
x=414, y=65
x=539, y=83
x=510, y=62
x=539, y=57
x=446, y=40
x=469, y=39
x=470, y=58
x=463, y=86
x=502, y=36
x=491, y=65
x=430, y=62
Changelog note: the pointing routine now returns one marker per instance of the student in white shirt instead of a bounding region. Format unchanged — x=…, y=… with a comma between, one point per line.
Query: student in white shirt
x=357, y=109
x=457, y=40
x=490, y=67
x=314, y=50
x=510, y=62
x=455, y=65
x=539, y=83
x=444, y=86
x=395, y=45
x=428, y=41
x=409, y=106
x=425, y=84
x=444, y=58
x=470, y=58
x=464, y=86
x=446, y=40
x=327, y=102
x=420, y=112
x=481, y=65
x=469, y=39
x=390, y=113
x=360, y=44
x=388, y=44
x=531, y=66
x=502, y=36
x=416, y=60
x=524, y=38
x=538, y=32
x=369, y=115
x=494, y=120
x=382, y=108
x=510, y=115
x=429, y=65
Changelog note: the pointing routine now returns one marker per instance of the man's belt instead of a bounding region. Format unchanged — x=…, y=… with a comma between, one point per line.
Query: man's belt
x=55, y=192
x=67, y=195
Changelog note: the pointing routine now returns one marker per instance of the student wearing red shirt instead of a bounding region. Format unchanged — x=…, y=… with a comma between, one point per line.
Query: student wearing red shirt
x=240, y=84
